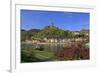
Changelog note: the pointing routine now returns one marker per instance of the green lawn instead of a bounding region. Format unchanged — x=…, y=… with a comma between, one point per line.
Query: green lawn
x=44, y=54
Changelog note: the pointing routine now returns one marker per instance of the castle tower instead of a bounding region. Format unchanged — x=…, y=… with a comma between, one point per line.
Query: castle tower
x=52, y=24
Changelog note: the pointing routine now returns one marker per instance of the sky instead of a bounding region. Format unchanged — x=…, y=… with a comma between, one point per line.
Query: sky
x=35, y=19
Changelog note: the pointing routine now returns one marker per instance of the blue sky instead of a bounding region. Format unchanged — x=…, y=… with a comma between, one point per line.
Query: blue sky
x=74, y=21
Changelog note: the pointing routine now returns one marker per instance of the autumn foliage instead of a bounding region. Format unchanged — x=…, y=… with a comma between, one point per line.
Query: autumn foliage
x=73, y=51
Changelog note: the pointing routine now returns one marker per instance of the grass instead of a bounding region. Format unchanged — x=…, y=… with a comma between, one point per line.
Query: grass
x=44, y=54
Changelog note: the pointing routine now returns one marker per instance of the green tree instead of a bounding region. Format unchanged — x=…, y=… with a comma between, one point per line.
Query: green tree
x=27, y=54
x=23, y=35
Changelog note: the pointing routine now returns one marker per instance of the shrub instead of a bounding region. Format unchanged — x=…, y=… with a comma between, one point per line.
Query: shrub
x=73, y=51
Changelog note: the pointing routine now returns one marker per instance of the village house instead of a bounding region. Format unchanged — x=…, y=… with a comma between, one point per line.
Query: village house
x=28, y=41
x=54, y=40
x=36, y=40
x=76, y=32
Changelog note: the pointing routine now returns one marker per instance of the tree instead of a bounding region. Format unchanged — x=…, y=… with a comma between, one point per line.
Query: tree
x=52, y=32
x=27, y=54
x=23, y=35
x=83, y=35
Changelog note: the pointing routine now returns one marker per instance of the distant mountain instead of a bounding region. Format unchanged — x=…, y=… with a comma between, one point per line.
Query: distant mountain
x=34, y=30
x=31, y=30
x=23, y=30
x=85, y=30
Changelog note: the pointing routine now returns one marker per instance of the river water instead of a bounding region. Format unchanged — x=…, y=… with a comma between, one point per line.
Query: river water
x=45, y=47
x=51, y=47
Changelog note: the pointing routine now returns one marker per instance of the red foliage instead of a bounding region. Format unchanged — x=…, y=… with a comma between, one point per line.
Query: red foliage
x=74, y=51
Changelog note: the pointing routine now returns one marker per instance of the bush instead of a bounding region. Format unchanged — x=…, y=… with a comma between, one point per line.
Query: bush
x=27, y=55
x=73, y=51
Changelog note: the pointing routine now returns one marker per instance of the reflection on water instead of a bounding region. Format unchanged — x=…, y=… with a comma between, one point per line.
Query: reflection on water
x=51, y=47
x=44, y=47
